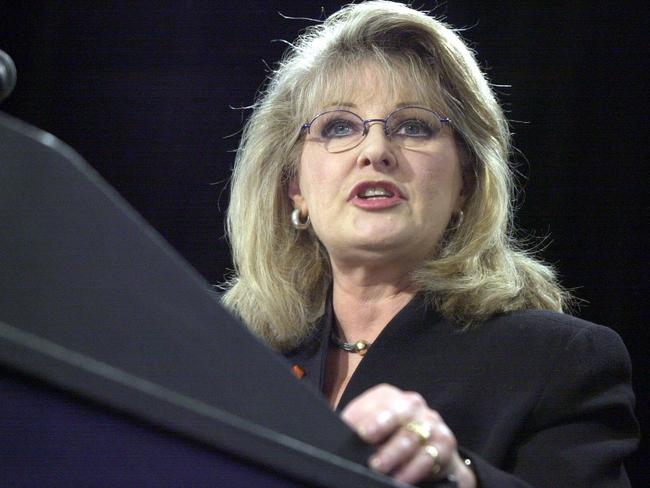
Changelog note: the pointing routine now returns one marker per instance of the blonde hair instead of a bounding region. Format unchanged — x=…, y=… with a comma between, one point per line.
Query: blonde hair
x=281, y=275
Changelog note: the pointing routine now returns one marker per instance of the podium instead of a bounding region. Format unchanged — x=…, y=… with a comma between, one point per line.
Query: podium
x=118, y=365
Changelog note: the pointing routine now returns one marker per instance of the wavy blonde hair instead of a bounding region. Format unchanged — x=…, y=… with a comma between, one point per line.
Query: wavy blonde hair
x=281, y=275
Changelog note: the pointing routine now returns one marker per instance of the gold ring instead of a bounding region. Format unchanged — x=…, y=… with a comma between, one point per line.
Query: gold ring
x=433, y=452
x=420, y=429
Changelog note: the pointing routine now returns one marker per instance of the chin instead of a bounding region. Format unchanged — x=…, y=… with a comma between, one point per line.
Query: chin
x=387, y=244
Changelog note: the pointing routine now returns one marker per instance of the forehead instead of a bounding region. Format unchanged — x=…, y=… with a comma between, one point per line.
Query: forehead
x=373, y=84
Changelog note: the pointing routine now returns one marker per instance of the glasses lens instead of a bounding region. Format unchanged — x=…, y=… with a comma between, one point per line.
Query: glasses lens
x=337, y=130
x=413, y=126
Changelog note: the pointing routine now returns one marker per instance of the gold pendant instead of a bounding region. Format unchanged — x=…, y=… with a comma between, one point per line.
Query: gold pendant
x=361, y=347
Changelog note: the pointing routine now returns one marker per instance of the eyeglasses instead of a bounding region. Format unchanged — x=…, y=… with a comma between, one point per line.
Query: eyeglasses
x=340, y=130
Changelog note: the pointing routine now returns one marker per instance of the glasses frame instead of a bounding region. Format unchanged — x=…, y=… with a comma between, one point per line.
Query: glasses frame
x=366, y=123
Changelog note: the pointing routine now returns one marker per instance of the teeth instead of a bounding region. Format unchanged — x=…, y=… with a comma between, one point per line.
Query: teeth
x=375, y=191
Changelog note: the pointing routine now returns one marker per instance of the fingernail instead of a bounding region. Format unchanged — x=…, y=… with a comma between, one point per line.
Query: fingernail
x=368, y=431
x=363, y=432
x=376, y=463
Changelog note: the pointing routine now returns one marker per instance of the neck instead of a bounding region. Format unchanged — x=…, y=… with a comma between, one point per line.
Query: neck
x=366, y=300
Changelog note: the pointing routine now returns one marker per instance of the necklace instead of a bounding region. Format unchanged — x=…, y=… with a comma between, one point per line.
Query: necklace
x=360, y=347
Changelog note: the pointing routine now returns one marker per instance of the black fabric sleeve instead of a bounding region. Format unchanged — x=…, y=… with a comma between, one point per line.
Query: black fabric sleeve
x=583, y=425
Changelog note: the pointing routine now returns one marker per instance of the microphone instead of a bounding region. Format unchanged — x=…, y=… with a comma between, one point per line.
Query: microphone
x=7, y=75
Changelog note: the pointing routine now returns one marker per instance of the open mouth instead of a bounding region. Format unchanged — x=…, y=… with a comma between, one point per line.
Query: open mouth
x=375, y=192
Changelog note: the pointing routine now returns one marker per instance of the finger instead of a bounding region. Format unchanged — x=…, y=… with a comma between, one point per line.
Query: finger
x=401, y=447
x=405, y=442
x=430, y=463
x=433, y=460
x=368, y=415
x=373, y=399
x=379, y=416
x=443, y=438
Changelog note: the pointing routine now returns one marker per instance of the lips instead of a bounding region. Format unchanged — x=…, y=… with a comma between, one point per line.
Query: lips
x=375, y=190
x=376, y=195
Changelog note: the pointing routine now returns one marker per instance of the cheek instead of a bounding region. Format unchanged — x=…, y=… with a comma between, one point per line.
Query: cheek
x=440, y=178
x=318, y=183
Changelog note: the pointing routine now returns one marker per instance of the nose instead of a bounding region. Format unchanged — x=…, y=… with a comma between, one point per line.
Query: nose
x=377, y=149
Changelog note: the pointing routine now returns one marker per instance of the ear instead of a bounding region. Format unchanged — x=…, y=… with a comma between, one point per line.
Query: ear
x=295, y=195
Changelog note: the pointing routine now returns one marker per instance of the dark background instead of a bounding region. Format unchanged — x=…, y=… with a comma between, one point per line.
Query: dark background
x=144, y=90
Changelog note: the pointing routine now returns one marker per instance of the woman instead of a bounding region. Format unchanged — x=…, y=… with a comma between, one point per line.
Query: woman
x=370, y=229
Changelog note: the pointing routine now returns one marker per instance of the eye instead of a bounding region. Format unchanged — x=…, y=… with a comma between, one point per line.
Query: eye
x=337, y=128
x=415, y=128
x=337, y=124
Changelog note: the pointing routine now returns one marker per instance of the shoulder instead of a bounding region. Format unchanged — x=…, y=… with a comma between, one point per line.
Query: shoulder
x=549, y=326
x=542, y=321
x=546, y=344
x=570, y=350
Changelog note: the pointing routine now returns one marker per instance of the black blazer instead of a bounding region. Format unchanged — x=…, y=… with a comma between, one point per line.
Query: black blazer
x=535, y=398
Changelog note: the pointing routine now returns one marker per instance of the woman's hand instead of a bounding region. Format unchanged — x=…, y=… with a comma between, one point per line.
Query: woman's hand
x=413, y=443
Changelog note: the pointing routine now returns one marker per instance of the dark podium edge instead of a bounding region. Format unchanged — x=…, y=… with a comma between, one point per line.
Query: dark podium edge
x=101, y=383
